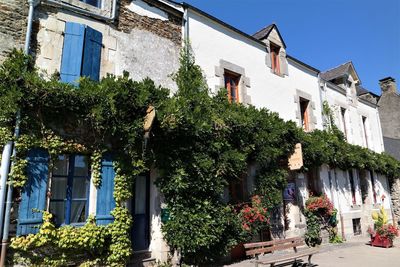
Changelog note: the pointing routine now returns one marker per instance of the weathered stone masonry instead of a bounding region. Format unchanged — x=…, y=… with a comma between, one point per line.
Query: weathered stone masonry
x=171, y=29
x=13, y=14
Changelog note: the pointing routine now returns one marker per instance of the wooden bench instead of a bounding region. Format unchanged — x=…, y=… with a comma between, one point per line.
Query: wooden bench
x=255, y=249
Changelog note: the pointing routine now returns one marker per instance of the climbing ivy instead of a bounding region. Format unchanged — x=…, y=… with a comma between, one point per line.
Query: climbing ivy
x=63, y=119
x=200, y=143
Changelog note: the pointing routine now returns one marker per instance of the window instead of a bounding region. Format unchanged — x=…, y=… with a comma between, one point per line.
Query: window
x=357, y=226
x=344, y=124
x=304, y=114
x=232, y=85
x=70, y=189
x=95, y=3
x=352, y=187
x=68, y=185
x=275, y=64
x=364, y=128
x=313, y=182
x=371, y=173
x=81, y=53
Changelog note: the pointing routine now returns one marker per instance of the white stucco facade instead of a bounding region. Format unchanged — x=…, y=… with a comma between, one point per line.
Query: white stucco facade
x=219, y=48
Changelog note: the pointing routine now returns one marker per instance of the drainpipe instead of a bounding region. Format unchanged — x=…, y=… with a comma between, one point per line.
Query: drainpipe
x=58, y=3
x=186, y=24
x=6, y=163
x=4, y=242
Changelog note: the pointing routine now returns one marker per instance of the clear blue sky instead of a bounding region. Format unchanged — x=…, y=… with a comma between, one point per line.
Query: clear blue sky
x=325, y=33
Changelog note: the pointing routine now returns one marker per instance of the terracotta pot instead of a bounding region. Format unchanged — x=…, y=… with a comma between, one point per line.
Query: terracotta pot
x=381, y=241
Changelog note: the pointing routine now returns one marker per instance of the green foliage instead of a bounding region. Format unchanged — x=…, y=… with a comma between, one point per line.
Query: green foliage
x=61, y=118
x=96, y=167
x=380, y=218
x=320, y=214
x=330, y=147
x=313, y=234
x=201, y=144
x=58, y=246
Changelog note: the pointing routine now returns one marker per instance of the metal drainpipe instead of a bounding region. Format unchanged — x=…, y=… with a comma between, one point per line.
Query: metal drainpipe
x=111, y=18
x=14, y=150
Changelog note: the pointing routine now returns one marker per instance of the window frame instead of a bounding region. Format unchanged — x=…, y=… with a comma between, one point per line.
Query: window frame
x=99, y=2
x=304, y=113
x=275, y=62
x=364, y=127
x=343, y=112
x=230, y=77
x=69, y=199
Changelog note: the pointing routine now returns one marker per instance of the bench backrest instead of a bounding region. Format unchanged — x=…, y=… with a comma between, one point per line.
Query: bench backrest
x=274, y=245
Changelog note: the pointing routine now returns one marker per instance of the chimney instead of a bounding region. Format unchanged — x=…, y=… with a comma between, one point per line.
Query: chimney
x=388, y=85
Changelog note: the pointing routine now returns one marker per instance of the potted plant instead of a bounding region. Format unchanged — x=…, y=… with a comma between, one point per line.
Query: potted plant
x=254, y=218
x=383, y=233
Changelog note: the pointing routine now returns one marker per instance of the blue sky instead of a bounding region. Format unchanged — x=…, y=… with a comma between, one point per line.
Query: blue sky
x=325, y=33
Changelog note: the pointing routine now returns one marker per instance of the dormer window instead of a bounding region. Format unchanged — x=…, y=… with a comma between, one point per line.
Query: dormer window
x=275, y=64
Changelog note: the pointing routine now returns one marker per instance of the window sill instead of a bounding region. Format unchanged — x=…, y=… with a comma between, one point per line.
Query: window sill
x=277, y=74
x=78, y=6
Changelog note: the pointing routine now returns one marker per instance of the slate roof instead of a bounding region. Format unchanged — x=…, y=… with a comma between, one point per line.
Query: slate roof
x=392, y=147
x=361, y=90
x=263, y=32
x=336, y=72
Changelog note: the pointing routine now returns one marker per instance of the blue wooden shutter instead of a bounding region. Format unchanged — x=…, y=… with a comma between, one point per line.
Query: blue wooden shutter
x=72, y=56
x=34, y=193
x=92, y=54
x=105, y=197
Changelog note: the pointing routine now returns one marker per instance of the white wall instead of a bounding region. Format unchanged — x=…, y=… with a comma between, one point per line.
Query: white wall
x=355, y=110
x=212, y=42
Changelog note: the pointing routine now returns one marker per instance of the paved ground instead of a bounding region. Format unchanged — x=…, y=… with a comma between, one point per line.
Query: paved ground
x=353, y=253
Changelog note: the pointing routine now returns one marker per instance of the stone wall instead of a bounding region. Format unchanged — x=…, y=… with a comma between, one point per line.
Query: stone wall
x=395, y=195
x=170, y=29
x=13, y=16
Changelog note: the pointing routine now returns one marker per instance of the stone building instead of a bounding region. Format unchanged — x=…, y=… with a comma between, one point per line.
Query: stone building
x=74, y=38
x=144, y=37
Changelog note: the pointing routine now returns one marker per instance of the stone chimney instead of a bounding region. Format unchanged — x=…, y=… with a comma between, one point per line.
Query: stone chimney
x=388, y=85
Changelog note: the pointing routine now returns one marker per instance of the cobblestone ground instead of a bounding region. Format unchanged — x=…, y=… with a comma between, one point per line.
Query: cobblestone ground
x=353, y=253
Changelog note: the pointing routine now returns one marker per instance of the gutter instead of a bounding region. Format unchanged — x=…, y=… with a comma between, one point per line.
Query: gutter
x=59, y=3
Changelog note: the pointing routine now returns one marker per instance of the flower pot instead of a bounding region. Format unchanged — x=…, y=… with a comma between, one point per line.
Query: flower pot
x=381, y=241
x=238, y=252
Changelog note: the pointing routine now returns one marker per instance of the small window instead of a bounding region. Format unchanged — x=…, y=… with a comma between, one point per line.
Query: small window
x=70, y=189
x=95, y=3
x=357, y=226
x=275, y=64
x=364, y=128
x=304, y=103
x=232, y=85
x=352, y=187
x=344, y=123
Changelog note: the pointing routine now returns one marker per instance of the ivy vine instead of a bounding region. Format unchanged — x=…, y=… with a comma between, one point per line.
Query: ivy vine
x=200, y=143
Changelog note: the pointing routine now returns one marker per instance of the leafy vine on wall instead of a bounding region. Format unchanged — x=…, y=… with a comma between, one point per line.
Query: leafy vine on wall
x=200, y=144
